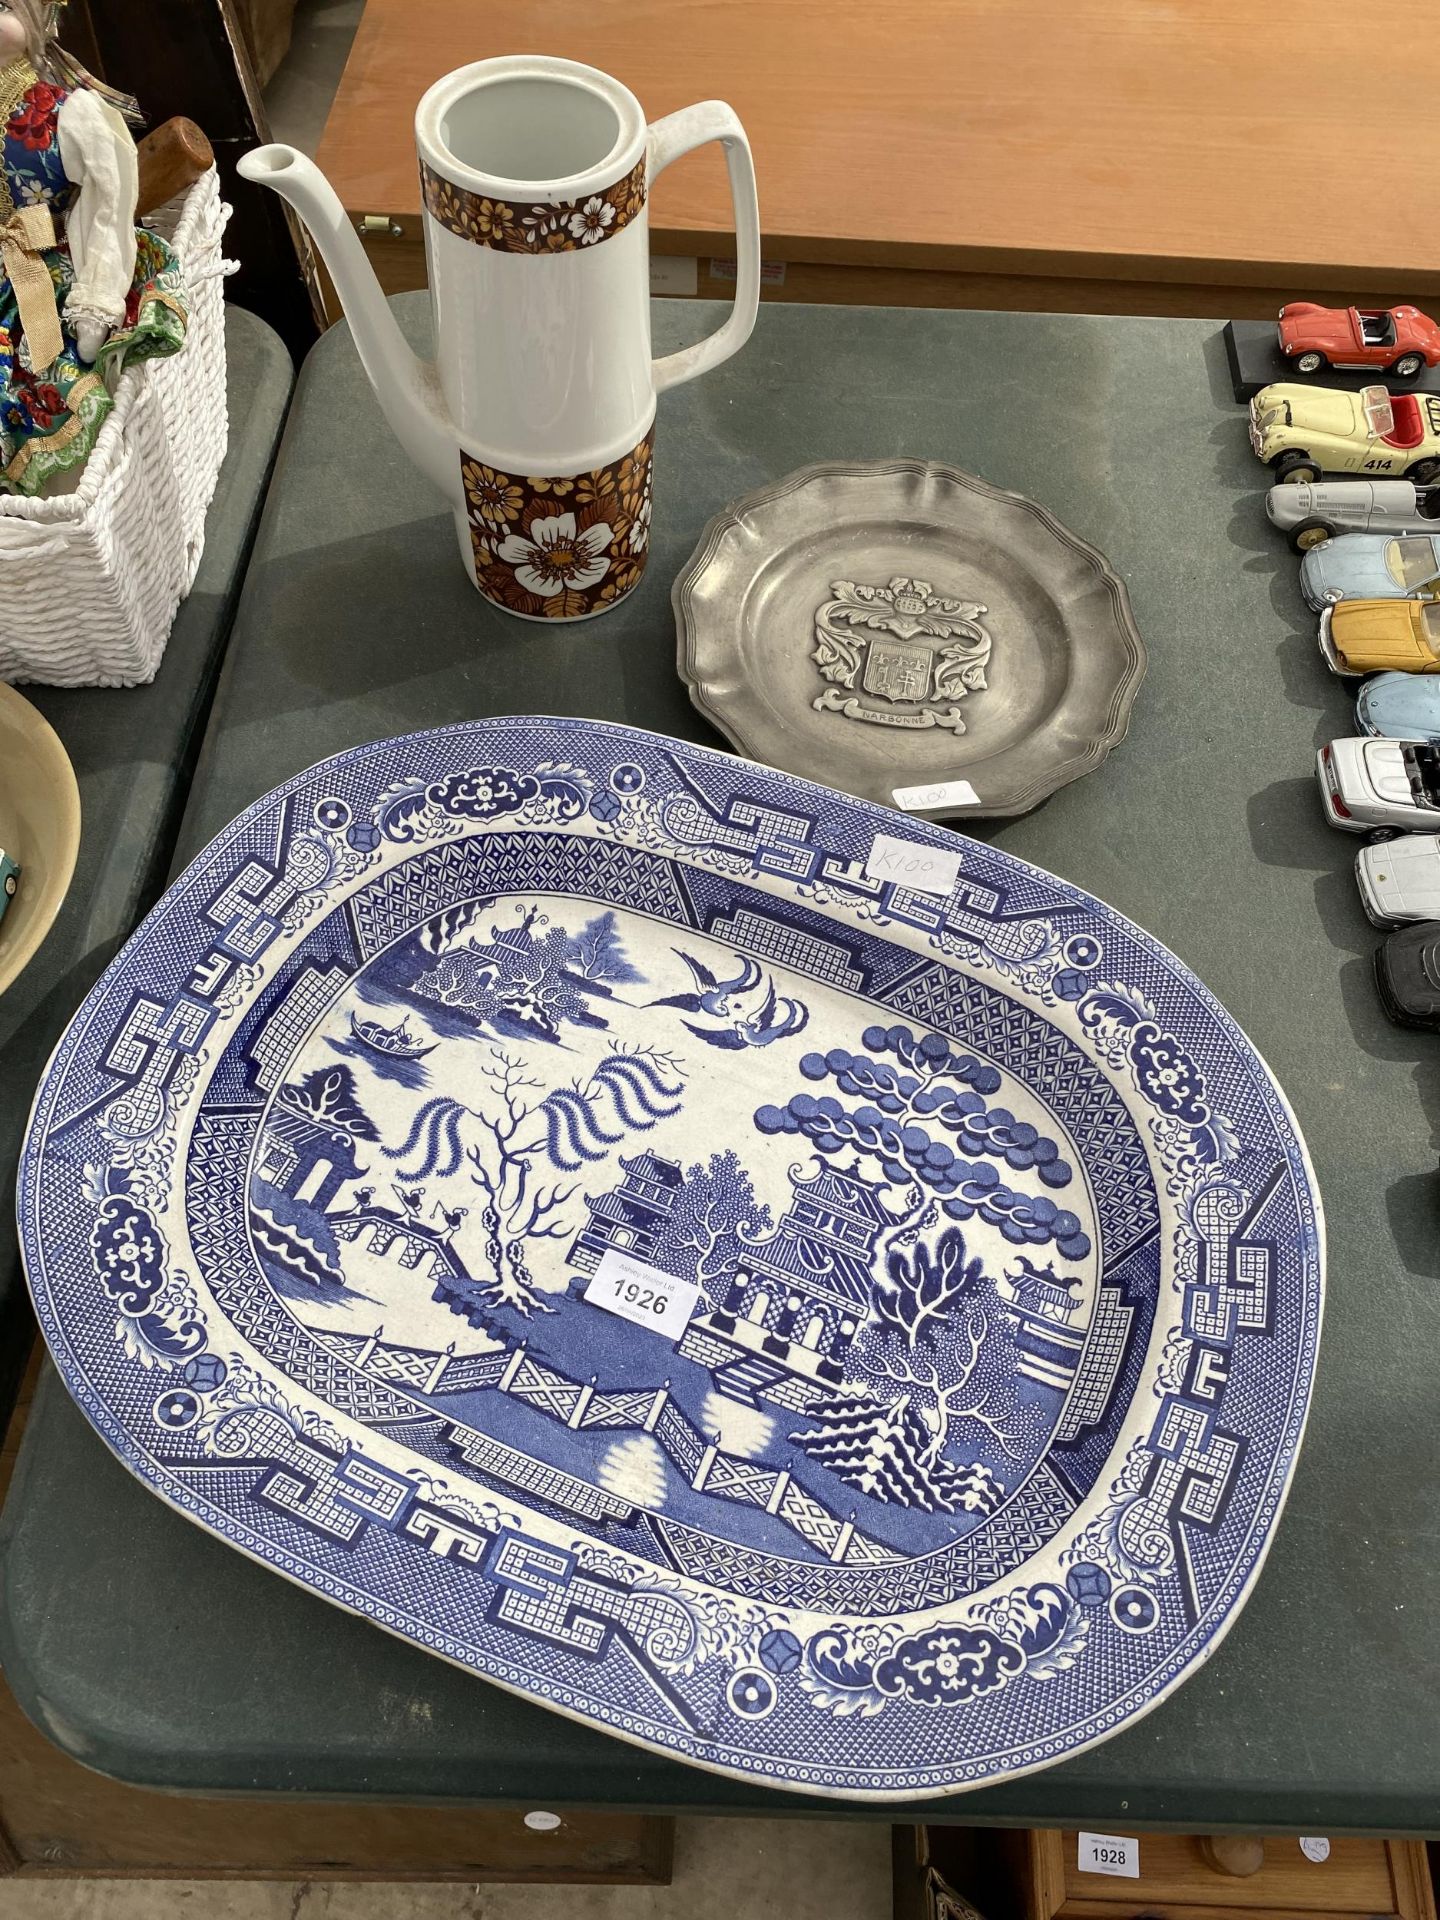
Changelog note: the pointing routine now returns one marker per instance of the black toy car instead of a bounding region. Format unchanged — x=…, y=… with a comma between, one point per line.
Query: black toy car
x=1407, y=972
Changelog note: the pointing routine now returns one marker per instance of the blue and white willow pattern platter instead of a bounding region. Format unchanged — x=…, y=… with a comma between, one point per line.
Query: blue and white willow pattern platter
x=1003, y=1251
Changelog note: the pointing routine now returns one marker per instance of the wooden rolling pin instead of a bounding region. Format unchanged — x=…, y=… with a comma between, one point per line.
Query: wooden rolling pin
x=172, y=158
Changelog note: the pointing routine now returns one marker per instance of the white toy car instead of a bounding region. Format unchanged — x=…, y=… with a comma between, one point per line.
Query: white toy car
x=1391, y=784
x=1399, y=880
x=1314, y=511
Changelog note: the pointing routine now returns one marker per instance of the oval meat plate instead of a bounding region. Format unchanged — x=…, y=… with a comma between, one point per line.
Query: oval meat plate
x=558, y=1193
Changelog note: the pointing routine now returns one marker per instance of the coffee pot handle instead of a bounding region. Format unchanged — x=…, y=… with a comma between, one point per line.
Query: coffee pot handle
x=680, y=133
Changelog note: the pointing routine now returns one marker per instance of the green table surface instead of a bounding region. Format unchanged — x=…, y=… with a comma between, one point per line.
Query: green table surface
x=155, y=1652
x=133, y=750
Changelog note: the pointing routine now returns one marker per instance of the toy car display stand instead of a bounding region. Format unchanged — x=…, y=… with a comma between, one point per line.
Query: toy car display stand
x=1253, y=355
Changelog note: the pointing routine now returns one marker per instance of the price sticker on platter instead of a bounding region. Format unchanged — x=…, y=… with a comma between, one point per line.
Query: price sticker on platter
x=909, y=864
x=642, y=1294
x=1109, y=1853
x=940, y=794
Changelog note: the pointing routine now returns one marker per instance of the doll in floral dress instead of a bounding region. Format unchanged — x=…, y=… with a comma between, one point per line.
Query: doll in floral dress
x=82, y=291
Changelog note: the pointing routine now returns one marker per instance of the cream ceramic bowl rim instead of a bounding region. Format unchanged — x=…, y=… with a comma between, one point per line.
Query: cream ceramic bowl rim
x=40, y=910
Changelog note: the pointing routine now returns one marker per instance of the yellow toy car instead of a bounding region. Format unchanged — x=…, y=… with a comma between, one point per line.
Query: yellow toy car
x=1301, y=432
x=1377, y=636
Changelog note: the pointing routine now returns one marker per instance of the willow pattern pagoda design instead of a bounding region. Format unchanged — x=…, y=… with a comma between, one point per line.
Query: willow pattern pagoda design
x=779, y=1324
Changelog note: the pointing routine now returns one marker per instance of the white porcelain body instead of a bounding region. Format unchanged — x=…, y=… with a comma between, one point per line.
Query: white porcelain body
x=544, y=364
x=544, y=357
x=536, y=175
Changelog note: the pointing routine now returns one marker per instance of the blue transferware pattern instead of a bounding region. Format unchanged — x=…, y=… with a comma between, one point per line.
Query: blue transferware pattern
x=1006, y=1248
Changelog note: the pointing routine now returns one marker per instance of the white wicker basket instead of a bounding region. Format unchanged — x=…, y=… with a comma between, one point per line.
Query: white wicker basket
x=90, y=580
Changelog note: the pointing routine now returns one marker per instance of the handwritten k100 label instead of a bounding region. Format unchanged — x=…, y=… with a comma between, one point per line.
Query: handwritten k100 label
x=642, y=1294
x=908, y=864
x=1109, y=1853
x=943, y=793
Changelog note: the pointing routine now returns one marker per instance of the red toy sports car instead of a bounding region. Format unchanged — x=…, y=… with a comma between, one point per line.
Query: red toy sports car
x=1398, y=340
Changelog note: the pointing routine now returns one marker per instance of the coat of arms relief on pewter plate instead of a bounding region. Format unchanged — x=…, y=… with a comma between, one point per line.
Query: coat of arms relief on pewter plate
x=915, y=651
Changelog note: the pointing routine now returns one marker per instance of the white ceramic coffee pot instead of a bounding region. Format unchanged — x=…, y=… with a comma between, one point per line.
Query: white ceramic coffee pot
x=536, y=417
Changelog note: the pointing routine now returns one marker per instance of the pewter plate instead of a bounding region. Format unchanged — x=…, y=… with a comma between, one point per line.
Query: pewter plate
x=897, y=626
x=355, y=1193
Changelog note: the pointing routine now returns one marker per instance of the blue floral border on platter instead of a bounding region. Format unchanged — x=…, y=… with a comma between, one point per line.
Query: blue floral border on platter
x=872, y=1709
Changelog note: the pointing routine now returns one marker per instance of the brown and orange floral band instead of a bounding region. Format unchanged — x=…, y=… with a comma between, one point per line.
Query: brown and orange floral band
x=561, y=226
x=560, y=548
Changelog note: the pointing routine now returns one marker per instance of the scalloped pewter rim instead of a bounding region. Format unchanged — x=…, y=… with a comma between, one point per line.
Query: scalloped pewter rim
x=1020, y=800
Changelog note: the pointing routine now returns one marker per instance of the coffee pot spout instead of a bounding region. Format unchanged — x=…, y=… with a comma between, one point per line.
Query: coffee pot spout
x=407, y=387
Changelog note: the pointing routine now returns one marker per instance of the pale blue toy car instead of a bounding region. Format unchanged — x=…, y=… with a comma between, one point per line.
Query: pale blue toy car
x=1371, y=566
x=1400, y=706
x=9, y=880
